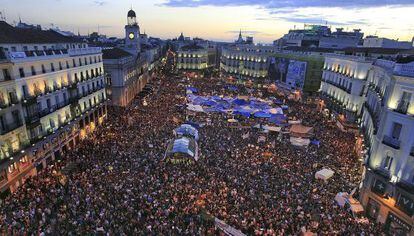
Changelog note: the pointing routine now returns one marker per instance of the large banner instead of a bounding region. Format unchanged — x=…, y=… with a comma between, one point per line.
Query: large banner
x=288, y=71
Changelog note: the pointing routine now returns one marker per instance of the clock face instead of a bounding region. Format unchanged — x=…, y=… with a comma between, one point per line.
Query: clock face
x=131, y=35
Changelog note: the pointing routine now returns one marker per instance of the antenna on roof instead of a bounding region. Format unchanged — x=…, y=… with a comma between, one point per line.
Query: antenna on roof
x=20, y=19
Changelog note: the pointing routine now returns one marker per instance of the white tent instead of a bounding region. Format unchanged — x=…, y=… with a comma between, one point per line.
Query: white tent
x=324, y=174
x=340, y=198
x=196, y=108
x=299, y=141
x=272, y=128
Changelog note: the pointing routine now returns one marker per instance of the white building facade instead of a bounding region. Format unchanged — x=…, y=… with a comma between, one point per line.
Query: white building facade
x=52, y=94
x=343, y=85
x=388, y=126
x=246, y=62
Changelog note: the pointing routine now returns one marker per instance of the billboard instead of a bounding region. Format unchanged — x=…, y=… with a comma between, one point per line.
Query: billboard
x=288, y=71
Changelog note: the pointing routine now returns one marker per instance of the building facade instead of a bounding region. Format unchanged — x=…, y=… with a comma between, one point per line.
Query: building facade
x=376, y=42
x=388, y=127
x=246, y=62
x=52, y=94
x=192, y=57
x=343, y=86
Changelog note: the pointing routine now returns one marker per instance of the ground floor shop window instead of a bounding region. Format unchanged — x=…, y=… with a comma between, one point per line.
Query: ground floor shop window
x=396, y=226
x=373, y=208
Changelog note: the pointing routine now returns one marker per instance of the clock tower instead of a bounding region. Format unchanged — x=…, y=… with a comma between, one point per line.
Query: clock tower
x=132, y=42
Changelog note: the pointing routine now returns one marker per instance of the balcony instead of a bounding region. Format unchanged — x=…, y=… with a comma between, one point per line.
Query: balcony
x=374, y=116
x=392, y=142
x=10, y=127
x=402, y=107
x=29, y=100
x=53, y=108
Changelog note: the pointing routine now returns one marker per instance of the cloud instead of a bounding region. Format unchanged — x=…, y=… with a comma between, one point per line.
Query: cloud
x=99, y=3
x=290, y=4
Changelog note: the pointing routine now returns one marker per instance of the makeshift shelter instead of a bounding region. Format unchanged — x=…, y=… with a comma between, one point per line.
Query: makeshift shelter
x=324, y=174
x=196, y=108
x=194, y=124
x=301, y=142
x=272, y=128
x=192, y=89
x=187, y=131
x=261, y=114
x=298, y=130
x=274, y=111
x=240, y=102
x=182, y=150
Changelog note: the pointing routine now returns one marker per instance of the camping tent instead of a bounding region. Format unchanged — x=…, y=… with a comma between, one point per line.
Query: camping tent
x=187, y=130
x=196, y=108
x=324, y=174
x=261, y=114
x=302, y=142
x=298, y=130
x=182, y=149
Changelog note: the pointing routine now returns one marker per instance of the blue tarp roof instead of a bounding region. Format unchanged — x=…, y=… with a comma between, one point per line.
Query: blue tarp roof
x=182, y=145
x=187, y=130
x=192, y=89
x=194, y=124
x=240, y=102
x=261, y=114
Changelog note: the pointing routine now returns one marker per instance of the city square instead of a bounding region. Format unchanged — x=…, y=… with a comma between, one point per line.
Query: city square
x=252, y=126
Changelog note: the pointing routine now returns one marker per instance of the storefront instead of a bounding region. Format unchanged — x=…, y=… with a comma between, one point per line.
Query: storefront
x=396, y=226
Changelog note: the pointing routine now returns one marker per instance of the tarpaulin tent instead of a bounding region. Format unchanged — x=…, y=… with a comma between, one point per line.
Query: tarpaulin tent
x=194, y=124
x=240, y=102
x=302, y=142
x=261, y=114
x=298, y=130
x=274, y=111
x=187, y=130
x=208, y=103
x=316, y=142
x=192, y=89
x=182, y=148
x=324, y=174
x=196, y=108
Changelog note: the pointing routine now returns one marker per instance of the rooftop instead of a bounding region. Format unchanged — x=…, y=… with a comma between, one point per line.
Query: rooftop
x=191, y=47
x=10, y=34
x=115, y=53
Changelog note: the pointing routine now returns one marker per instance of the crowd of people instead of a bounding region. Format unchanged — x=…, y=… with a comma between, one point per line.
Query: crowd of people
x=122, y=186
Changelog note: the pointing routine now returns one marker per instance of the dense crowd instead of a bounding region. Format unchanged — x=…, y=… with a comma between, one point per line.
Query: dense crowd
x=121, y=186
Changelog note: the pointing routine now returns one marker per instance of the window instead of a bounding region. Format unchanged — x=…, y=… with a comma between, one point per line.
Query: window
x=33, y=70
x=396, y=130
x=80, y=62
x=67, y=65
x=74, y=62
x=90, y=60
x=44, y=48
x=36, y=48
x=60, y=66
x=388, y=162
x=52, y=67
x=21, y=71
x=13, y=49
x=86, y=61
x=43, y=69
x=6, y=74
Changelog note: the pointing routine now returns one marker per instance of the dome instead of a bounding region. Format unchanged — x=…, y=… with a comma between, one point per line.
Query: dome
x=131, y=13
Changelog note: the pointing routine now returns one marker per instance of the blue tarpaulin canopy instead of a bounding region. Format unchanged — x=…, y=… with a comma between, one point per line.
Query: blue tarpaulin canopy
x=261, y=114
x=192, y=89
x=240, y=102
x=194, y=124
x=208, y=103
x=182, y=145
x=316, y=142
x=187, y=130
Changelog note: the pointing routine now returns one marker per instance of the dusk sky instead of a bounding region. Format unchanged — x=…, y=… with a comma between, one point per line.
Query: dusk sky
x=217, y=19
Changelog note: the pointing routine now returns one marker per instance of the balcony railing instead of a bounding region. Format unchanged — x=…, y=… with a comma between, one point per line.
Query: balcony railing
x=10, y=127
x=343, y=87
x=392, y=142
x=374, y=116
